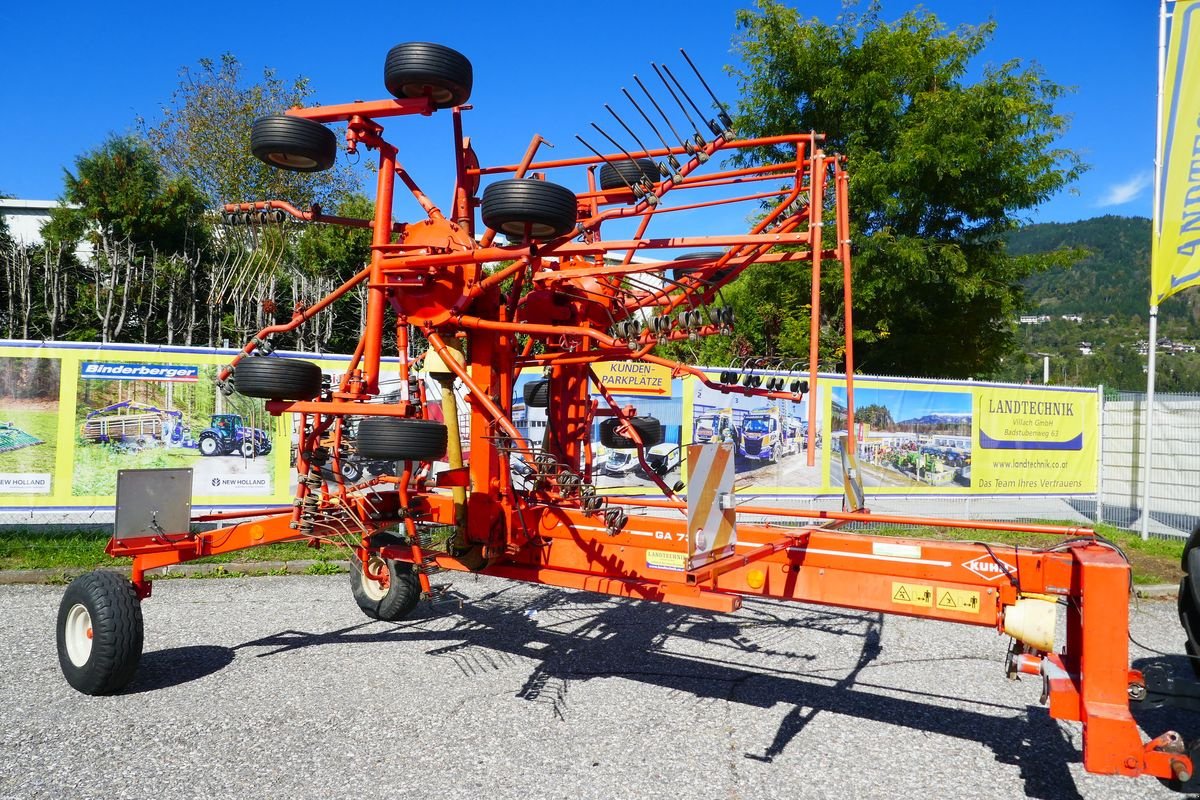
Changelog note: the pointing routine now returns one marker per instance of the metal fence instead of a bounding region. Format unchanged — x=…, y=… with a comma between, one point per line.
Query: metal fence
x=1174, y=466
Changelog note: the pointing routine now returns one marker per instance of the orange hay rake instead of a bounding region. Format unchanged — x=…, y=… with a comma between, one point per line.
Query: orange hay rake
x=558, y=296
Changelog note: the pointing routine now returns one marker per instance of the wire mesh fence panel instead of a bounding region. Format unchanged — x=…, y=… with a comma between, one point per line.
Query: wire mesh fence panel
x=1174, y=463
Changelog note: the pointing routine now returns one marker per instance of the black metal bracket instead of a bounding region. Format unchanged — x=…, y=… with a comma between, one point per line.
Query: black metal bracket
x=1162, y=689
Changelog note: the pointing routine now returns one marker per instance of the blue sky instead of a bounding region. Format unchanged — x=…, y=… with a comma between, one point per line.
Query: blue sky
x=75, y=71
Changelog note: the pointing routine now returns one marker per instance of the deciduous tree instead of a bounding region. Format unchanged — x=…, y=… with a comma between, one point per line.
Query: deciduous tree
x=941, y=167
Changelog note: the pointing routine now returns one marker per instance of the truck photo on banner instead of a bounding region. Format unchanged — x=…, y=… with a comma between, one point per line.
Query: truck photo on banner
x=770, y=438
x=652, y=392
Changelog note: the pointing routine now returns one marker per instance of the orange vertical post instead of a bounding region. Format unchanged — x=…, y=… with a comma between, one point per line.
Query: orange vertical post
x=816, y=195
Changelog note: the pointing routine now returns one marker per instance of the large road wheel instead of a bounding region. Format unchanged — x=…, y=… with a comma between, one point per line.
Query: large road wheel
x=1189, y=599
x=99, y=633
x=293, y=143
x=389, y=600
x=400, y=439
x=547, y=208
x=417, y=69
x=277, y=378
x=648, y=428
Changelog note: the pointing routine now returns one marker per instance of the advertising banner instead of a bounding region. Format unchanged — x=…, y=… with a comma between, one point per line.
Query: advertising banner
x=72, y=415
x=917, y=437
x=1175, y=251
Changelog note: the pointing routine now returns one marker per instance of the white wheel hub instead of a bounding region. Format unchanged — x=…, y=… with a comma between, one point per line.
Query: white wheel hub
x=78, y=634
x=376, y=590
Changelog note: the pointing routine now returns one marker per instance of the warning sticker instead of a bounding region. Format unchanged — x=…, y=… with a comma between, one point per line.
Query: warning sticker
x=666, y=559
x=958, y=600
x=912, y=594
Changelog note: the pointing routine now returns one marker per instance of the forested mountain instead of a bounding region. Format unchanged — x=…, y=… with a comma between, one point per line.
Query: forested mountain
x=1111, y=280
x=1108, y=285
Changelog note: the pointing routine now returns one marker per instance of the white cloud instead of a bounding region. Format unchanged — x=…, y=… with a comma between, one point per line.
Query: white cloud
x=1121, y=193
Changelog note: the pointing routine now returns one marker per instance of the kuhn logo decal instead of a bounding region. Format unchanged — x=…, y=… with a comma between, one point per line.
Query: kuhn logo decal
x=990, y=568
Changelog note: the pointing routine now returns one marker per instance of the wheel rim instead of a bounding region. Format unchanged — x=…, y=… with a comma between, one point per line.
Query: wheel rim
x=376, y=590
x=437, y=94
x=291, y=160
x=537, y=230
x=78, y=634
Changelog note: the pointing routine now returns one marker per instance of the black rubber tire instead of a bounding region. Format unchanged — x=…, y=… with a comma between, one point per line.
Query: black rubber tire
x=509, y=205
x=400, y=439
x=402, y=595
x=1193, y=541
x=117, y=630
x=711, y=255
x=621, y=174
x=1189, y=618
x=648, y=428
x=213, y=449
x=293, y=143
x=277, y=378
x=413, y=69
x=537, y=394
x=1189, y=599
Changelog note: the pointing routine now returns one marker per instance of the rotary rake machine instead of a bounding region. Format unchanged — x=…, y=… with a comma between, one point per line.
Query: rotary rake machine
x=555, y=295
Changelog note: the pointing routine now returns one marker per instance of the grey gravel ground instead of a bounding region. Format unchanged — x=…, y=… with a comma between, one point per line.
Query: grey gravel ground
x=279, y=687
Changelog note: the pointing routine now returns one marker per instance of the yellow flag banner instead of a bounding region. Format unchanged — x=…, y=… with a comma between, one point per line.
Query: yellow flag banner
x=1175, y=261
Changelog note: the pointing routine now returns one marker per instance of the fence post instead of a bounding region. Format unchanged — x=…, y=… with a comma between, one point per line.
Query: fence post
x=1100, y=457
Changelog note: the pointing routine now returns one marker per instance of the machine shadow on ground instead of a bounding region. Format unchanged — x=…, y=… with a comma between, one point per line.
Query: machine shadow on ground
x=727, y=660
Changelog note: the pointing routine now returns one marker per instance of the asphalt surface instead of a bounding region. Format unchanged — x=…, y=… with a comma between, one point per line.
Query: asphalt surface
x=280, y=687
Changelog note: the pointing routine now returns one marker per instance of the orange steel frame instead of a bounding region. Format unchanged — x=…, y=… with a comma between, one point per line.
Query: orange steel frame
x=565, y=296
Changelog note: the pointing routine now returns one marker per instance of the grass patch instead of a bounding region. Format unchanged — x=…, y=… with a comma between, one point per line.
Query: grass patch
x=31, y=549
x=1153, y=560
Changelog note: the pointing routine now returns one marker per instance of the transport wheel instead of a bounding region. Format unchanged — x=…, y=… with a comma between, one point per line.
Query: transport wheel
x=401, y=439
x=413, y=69
x=99, y=632
x=537, y=394
x=622, y=174
x=277, y=378
x=293, y=143
x=390, y=602
x=510, y=205
x=209, y=446
x=711, y=255
x=649, y=428
x=1189, y=599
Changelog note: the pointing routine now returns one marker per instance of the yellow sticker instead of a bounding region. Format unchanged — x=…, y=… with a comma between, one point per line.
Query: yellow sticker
x=912, y=594
x=958, y=600
x=666, y=559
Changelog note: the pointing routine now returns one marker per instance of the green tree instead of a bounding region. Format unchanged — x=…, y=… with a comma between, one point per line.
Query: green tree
x=204, y=134
x=940, y=169
x=119, y=191
x=326, y=256
x=138, y=224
